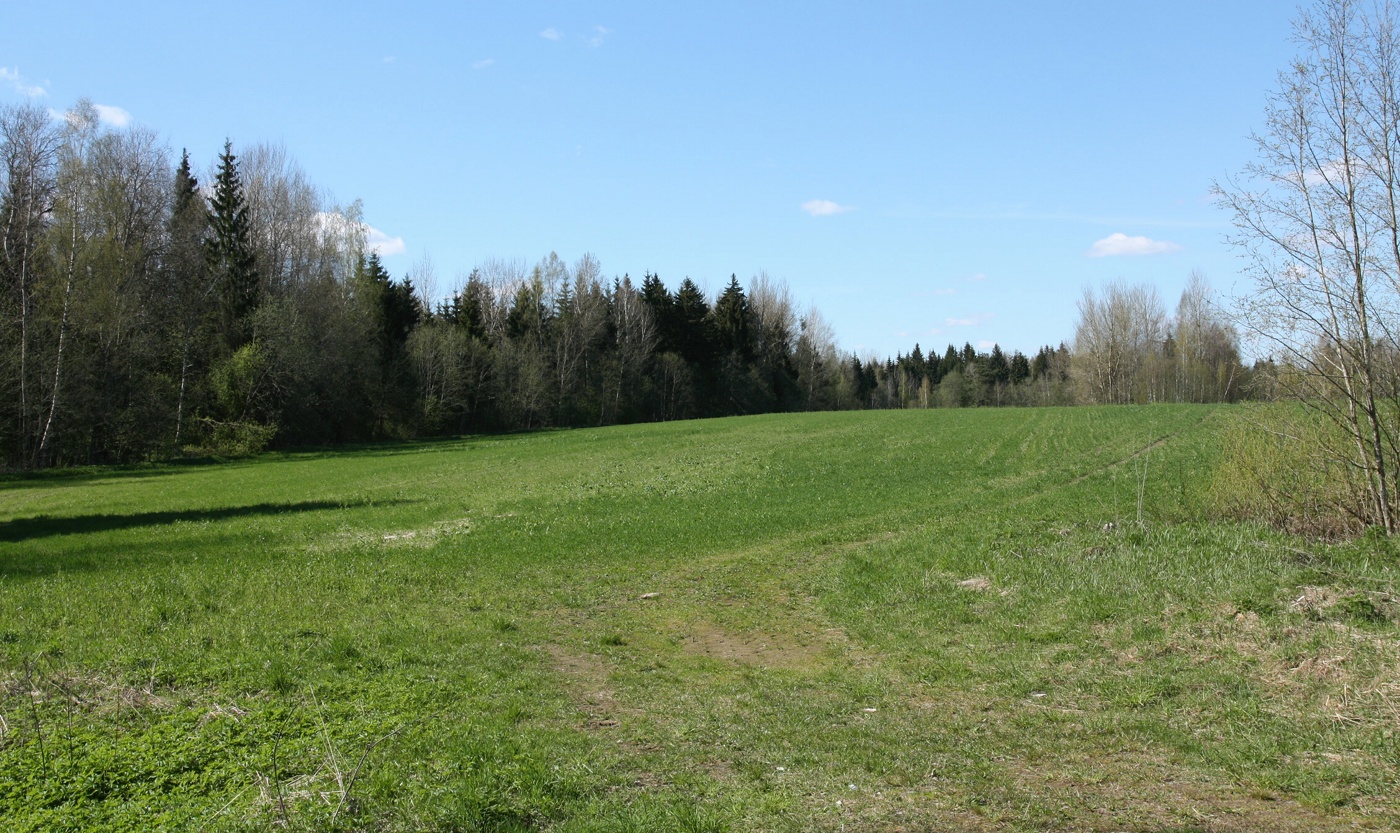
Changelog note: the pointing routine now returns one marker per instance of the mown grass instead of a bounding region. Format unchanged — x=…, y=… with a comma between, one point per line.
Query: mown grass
x=991, y=619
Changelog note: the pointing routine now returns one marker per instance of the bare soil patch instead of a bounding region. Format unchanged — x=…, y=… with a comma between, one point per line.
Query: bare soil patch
x=757, y=649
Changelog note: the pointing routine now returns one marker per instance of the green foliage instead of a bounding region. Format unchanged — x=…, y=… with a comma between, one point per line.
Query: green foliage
x=238, y=381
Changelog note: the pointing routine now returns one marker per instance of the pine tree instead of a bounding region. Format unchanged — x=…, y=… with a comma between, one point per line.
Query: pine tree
x=229, y=254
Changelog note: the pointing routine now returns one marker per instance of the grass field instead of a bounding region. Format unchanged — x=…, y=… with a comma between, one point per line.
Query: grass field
x=962, y=620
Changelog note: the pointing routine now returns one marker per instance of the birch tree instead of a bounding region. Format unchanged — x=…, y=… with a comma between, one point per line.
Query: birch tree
x=1318, y=215
x=29, y=145
x=1119, y=334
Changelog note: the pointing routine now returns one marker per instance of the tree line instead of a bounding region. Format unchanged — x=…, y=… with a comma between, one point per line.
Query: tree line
x=149, y=314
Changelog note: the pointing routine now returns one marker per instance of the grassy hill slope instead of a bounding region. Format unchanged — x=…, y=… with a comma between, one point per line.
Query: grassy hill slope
x=989, y=619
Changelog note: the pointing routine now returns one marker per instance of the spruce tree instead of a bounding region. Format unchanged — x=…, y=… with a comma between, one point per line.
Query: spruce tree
x=1020, y=368
x=732, y=321
x=693, y=334
x=950, y=362
x=995, y=368
x=663, y=311
x=229, y=255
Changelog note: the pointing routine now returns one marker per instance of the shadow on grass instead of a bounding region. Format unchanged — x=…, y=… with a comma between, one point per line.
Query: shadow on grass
x=82, y=475
x=44, y=526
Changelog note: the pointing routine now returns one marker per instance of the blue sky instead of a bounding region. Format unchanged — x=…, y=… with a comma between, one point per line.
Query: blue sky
x=921, y=172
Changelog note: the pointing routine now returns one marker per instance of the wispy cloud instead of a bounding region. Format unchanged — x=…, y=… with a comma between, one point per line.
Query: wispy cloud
x=824, y=208
x=970, y=321
x=978, y=278
x=19, y=85
x=1119, y=244
x=483, y=63
x=551, y=34
x=113, y=116
x=389, y=59
x=595, y=38
x=986, y=345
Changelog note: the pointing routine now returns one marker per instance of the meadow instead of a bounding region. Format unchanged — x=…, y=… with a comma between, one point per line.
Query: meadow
x=991, y=619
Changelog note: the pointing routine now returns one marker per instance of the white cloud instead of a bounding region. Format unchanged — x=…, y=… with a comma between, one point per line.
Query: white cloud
x=16, y=81
x=945, y=292
x=596, y=38
x=383, y=244
x=1119, y=244
x=824, y=208
x=483, y=63
x=986, y=345
x=377, y=241
x=114, y=116
x=971, y=321
x=551, y=34
x=389, y=59
x=1332, y=171
x=980, y=276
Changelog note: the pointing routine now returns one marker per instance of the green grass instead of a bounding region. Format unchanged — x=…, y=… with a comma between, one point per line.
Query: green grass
x=989, y=619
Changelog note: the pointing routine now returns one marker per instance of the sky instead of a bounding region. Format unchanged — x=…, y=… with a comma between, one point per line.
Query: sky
x=921, y=172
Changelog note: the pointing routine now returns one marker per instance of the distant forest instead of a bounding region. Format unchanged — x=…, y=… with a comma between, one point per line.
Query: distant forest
x=149, y=314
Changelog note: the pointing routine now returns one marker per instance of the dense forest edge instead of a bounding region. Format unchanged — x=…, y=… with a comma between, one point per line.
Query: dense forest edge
x=150, y=315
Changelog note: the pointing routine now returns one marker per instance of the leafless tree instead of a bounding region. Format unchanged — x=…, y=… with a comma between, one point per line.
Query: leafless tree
x=1318, y=214
x=634, y=340
x=1117, y=339
x=285, y=213
x=1205, y=358
x=817, y=362
x=29, y=144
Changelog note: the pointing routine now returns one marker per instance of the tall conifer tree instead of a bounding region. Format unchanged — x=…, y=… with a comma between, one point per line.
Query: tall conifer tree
x=732, y=321
x=229, y=253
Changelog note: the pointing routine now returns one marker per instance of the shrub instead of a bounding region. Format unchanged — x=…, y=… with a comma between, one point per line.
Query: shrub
x=1284, y=464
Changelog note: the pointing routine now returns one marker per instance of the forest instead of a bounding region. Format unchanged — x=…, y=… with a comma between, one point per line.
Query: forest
x=151, y=312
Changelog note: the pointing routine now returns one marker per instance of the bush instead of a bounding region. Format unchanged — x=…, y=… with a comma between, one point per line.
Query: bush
x=230, y=439
x=1284, y=464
